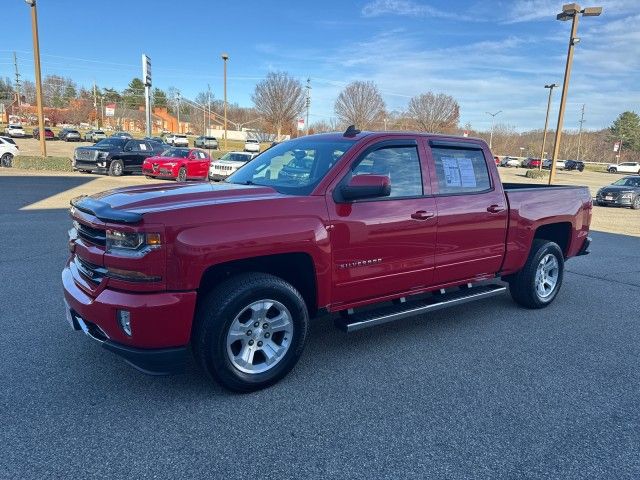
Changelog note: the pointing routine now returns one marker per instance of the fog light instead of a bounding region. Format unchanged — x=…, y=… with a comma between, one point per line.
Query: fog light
x=124, y=319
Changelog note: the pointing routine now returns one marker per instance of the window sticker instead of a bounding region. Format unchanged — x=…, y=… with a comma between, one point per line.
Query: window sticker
x=143, y=146
x=451, y=172
x=467, y=174
x=459, y=172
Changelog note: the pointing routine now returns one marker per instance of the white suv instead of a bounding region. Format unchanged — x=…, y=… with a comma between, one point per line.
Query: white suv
x=627, y=167
x=180, y=140
x=8, y=150
x=251, y=145
x=15, y=131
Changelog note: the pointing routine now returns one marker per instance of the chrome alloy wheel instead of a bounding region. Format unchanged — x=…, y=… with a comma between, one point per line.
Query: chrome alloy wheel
x=259, y=336
x=547, y=276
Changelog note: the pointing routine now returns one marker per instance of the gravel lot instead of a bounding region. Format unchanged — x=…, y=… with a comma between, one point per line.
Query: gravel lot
x=486, y=390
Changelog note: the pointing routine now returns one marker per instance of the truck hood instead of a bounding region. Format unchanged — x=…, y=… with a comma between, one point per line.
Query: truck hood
x=143, y=199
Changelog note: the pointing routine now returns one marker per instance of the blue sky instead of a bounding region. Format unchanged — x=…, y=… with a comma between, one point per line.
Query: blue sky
x=489, y=55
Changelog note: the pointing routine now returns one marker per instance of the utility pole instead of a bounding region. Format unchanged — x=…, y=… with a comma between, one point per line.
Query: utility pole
x=493, y=119
x=225, y=57
x=178, y=98
x=208, y=108
x=38, y=75
x=15, y=63
x=546, y=123
x=308, y=103
x=571, y=12
x=95, y=102
x=101, y=111
x=582, y=120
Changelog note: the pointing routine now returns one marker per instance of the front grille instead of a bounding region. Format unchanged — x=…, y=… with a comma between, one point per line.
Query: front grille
x=85, y=154
x=90, y=234
x=92, y=272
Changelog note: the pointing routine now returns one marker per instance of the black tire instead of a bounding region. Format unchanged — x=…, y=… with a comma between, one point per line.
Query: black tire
x=612, y=170
x=149, y=177
x=116, y=168
x=182, y=175
x=635, y=205
x=6, y=160
x=522, y=285
x=217, y=312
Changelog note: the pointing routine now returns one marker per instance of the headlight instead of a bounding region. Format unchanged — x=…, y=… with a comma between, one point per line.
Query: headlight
x=627, y=195
x=103, y=154
x=599, y=193
x=130, y=242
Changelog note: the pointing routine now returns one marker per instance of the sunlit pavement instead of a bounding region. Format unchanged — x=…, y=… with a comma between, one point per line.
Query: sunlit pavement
x=482, y=391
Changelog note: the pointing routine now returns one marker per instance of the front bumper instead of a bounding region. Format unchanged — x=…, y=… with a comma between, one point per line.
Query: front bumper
x=160, y=324
x=216, y=177
x=617, y=202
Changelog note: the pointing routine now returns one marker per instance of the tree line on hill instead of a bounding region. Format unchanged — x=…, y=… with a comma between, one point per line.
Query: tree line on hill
x=280, y=99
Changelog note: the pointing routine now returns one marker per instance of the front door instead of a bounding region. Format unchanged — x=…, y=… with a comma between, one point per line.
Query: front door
x=472, y=211
x=384, y=246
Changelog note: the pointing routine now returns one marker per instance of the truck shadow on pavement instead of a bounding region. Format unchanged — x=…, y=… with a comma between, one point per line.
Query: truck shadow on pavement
x=18, y=192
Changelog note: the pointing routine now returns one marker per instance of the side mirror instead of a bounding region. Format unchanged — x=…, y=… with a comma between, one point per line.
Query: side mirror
x=366, y=186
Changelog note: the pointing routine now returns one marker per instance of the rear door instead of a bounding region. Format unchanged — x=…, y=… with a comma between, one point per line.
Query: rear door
x=472, y=211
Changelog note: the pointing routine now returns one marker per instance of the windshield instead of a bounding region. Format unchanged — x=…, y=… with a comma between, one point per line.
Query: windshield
x=236, y=157
x=294, y=167
x=176, y=153
x=628, y=182
x=111, y=142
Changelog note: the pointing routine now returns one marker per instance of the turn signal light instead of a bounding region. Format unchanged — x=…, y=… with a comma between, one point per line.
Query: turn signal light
x=153, y=239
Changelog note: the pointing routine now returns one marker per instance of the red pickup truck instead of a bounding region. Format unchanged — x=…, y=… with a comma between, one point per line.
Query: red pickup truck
x=330, y=223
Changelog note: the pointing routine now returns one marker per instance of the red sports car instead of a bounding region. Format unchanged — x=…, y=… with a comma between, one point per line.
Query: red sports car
x=180, y=163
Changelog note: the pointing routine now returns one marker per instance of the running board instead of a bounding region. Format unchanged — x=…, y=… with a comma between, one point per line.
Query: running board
x=358, y=321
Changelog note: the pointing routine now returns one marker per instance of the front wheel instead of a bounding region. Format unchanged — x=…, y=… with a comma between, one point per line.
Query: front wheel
x=636, y=203
x=250, y=331
x=116, y=168
x=612, y=170
x=538, y=283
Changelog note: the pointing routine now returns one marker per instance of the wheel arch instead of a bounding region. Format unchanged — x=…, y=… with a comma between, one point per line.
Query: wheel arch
x=296, y=268
x=559, y=232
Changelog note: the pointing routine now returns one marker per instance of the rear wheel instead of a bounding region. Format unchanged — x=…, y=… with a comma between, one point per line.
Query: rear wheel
x=6, y=160
x=538, y=283
x=250, y=331
x=116, y=168
x=182, y=175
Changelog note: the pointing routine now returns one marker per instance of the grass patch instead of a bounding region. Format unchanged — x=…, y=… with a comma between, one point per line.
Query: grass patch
x=536, y=174
x=56, y=164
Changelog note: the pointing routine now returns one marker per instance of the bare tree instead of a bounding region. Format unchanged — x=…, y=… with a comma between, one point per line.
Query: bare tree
x=438, y=113
x=360, y=104
x=279, y=99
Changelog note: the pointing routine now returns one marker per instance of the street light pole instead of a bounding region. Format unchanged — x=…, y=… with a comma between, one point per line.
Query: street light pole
x=225, y=57
x=36, y=61
x=308, y=102
x=493, y=118
x=570, y=11
x=546, y=123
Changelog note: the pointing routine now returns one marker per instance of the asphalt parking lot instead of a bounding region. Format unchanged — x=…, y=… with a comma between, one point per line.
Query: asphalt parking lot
x=486, y=390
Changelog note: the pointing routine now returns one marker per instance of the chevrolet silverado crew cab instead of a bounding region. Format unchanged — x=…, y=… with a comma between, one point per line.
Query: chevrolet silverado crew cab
x=369, y=227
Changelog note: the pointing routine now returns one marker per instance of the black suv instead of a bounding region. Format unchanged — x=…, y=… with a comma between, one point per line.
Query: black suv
x=115, y=156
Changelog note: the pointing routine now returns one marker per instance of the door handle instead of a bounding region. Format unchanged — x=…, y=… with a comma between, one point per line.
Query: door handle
x=495, y=209
x=422, y=215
